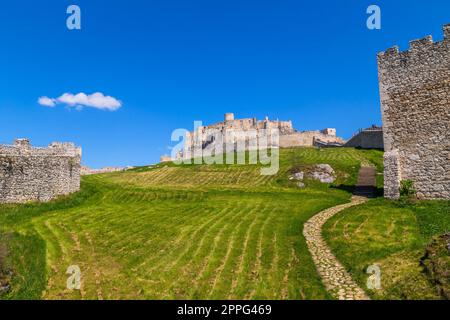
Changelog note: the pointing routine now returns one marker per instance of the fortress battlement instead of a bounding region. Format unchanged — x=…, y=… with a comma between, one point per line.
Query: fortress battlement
x=22, y=147
x=230, y=123
x=417, y=47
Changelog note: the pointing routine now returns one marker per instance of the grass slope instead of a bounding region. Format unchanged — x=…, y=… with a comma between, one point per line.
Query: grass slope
x=393, y=235
x=175, y=232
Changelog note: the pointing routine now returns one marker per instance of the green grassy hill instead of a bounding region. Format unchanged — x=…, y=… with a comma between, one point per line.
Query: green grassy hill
x=392, y=235
x=178, y=232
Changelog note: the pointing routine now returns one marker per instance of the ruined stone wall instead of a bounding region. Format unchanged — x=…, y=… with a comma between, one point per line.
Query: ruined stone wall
x=248, y=131
x=38, y=174
x=415, y=105
x=165, y=159
x=306, y=139
x=329, y=131
x=297, y=139
x=285, y=127
x=367, y=139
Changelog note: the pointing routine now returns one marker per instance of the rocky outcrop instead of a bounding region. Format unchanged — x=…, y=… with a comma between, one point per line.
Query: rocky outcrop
x=323, y=173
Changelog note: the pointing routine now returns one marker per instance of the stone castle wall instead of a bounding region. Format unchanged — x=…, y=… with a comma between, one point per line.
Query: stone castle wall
x=307, y=139
x=38, y=174
x=369, y=138
x=415, y=105
x=248, y=131
x=285, y=127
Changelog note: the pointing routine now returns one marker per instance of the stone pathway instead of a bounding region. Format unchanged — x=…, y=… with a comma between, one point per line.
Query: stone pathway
x=334, y=276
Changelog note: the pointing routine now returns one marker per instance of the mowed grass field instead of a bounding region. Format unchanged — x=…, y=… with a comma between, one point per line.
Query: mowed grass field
x=178, y=232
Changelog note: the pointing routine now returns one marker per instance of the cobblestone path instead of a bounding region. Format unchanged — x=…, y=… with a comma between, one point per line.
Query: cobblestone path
x=334, y=276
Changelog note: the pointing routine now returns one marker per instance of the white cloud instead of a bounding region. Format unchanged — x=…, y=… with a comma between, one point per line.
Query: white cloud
x=46, y=102
x=96, y=100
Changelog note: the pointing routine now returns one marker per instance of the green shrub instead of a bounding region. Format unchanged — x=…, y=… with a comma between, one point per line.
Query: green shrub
x=407, y=189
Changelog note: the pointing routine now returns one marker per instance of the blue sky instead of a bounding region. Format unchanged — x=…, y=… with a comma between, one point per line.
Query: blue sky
x=172, y=62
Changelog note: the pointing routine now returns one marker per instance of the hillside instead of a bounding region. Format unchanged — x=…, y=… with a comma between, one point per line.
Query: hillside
x=392, y=235
x=200, y=231
x=193, y=231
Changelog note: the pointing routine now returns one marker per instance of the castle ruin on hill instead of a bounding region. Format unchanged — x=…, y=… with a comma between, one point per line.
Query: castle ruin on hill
x=415, y=106
x=38, y=174
x=233, y=131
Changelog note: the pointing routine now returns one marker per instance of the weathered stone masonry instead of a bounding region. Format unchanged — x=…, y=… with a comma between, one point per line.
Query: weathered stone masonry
x=237, y=130
x=38, y=174
x=369, y=138
x=415, y=105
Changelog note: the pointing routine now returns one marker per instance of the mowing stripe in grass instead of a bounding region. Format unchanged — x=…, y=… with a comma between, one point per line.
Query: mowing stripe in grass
x=226, y=273
x=240, y=265
x=244, y=278
x=192, y=240
x=257, y=265
x=212, y=258
x=219, y=270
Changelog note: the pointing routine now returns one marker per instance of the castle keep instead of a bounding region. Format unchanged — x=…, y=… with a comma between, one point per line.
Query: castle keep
x=250, y=130
x=415, y=106
x=38, y=174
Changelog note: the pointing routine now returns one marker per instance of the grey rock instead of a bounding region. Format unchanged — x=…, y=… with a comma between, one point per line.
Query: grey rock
x=323, y=173
x=298, y=175
x=4, y=289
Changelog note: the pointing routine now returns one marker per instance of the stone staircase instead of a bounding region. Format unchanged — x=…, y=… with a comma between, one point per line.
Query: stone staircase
x=366, y=185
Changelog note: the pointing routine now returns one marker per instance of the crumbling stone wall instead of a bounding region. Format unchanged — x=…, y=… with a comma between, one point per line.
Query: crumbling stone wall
x=247, y=131
x=307, y=139
x=38, y=174
x=369, y=138
x=415, y=105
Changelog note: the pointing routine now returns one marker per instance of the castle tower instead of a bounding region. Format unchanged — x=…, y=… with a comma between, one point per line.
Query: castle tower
x=22, y=143
x=229, y=117
x=415, y=95
x=329, y=131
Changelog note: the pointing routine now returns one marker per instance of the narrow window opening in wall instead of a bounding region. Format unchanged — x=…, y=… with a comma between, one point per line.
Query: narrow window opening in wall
x=403, y=62
x=9, y=167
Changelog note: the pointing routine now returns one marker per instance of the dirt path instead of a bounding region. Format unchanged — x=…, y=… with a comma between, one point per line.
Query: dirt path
x=334, y=276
